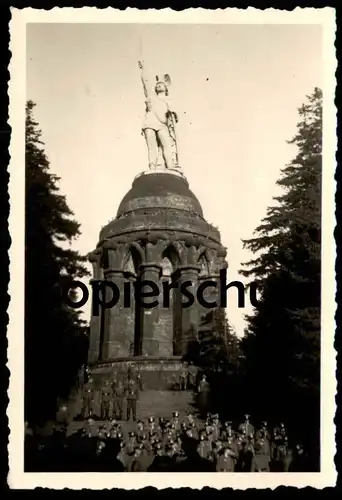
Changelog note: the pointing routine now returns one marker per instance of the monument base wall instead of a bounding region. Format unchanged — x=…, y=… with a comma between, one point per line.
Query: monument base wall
x=160, y=394
x=159, y=373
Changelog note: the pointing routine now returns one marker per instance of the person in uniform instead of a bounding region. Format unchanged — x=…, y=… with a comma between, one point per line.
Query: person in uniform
x=174, y=431
x=192, y=374
x=131, y=442
x=118, y=400
x=266, y=447
x=194, y=430
x=166, y=436
x=217, y=447
x=226, y=461
x=260, y=461
x=288, y=459
x=90, y=430
x=232, y=445
x=144, y=439
x=247, y=427
x=183, y=382
x=139, y=381
x=131, y=398
x=277, y=441
x=88, y=400
x=176, y=451
x=137, y=464
x=106, y=400
x=159, y=463
x=130, y=458
x=204, y=448
x=140, y=429
x=216, y=427
x=280, y=457
x=151, y=426
x=100, y=446
x=176, y=421
x=282, y=429
x=184, y=428
x=263, y=435
x=203, y=395
x=263, y=432
x=147, y=452
x=122, y=455
x=162, y=423
x=227, y=431
x=247, y=454
x=189, y=419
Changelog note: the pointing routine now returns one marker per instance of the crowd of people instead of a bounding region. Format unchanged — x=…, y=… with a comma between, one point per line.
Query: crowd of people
x=120, y=443
x=167, y=445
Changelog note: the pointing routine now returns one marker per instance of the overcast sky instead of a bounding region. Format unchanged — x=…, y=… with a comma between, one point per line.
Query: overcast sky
x=236, y=88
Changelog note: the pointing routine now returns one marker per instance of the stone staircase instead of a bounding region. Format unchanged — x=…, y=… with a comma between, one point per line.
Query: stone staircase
x=152, y=403
x=163, y=403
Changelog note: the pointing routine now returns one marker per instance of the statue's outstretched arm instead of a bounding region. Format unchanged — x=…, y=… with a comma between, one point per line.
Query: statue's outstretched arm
x=144, y=79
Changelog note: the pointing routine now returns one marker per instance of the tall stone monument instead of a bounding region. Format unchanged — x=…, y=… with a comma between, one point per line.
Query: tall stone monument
x=159, y=234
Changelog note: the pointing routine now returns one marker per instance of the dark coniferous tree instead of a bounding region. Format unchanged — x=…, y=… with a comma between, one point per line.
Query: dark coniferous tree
x=282, y=344
x=55, y=336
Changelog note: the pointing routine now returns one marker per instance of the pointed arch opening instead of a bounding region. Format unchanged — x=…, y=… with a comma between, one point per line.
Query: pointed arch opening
x=167, y=268
x=172, y=315
x=132, y=261
x=204, y=265
x=131, y=266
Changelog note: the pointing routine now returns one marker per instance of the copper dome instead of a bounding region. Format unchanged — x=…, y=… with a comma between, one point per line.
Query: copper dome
x=160, y=190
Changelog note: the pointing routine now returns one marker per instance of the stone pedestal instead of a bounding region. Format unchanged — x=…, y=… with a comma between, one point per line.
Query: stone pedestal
x=159, y=218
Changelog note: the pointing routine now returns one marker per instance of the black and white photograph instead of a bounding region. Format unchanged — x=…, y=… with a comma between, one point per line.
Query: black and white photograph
x=172, y=259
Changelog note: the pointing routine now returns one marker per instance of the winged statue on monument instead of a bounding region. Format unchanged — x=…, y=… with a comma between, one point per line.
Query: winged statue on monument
x=159, y=125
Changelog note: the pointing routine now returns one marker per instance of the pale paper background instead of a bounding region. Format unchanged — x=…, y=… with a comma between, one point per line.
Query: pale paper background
x=90, y=137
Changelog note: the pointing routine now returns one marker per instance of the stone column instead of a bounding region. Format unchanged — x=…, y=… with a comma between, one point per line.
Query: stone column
x=190, y=315
x=119, y=319
x=166, y=318
x=130, y=315
x=150, y=317
x=95, y=321
x=114, y=344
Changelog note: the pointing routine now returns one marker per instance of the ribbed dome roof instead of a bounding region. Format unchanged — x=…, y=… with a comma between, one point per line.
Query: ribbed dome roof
x=160, y=190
